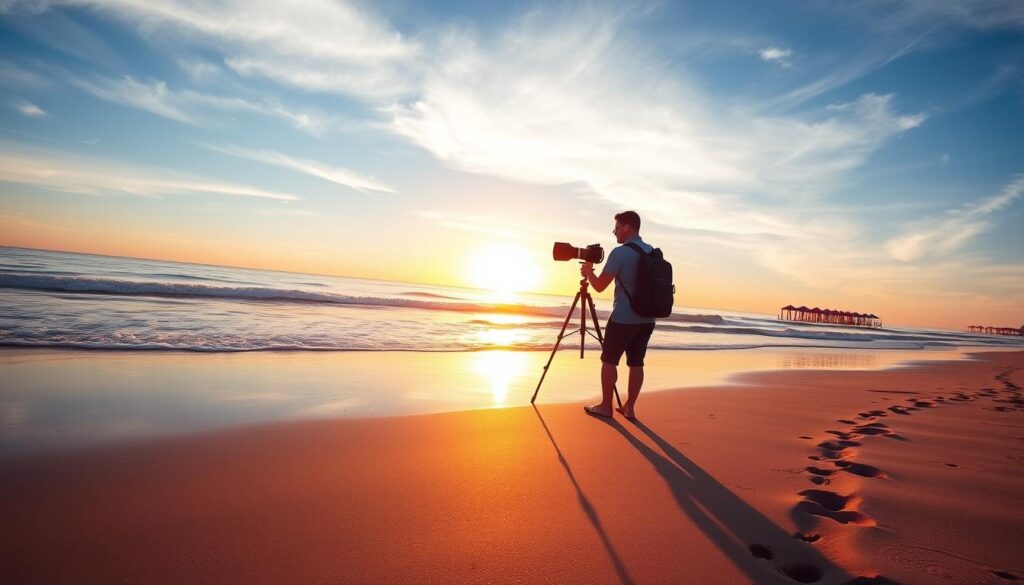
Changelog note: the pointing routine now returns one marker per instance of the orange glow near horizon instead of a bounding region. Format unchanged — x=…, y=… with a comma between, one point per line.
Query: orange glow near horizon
x=504, y=271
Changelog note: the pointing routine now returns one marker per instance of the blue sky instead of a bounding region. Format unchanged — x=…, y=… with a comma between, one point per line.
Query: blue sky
x=857, y=155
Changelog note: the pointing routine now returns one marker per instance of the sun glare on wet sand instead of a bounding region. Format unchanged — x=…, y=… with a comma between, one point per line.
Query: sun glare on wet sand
x=501, y=369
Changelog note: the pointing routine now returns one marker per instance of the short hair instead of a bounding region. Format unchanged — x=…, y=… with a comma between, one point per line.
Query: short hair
x=629, y=218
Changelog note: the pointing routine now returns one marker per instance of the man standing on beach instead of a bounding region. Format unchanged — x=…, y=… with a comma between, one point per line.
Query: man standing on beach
x=626, y=331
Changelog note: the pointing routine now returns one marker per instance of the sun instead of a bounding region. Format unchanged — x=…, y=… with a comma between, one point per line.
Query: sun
x=503, y=269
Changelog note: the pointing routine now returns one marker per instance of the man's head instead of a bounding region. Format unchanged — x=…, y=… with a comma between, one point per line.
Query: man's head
x=627, y=225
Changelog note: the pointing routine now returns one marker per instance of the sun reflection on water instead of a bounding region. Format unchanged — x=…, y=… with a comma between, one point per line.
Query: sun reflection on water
x=501, y=337
x=499, y=369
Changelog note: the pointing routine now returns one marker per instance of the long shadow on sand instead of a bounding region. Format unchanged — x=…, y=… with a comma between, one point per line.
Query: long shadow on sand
x=588, y=509
x=754, y=544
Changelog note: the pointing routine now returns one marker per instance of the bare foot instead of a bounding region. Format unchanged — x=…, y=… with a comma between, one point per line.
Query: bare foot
x=626, y=412
x=598, y=410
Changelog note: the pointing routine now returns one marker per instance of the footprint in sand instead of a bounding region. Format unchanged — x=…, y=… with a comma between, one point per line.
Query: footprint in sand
x=833, y=506
x=801, y=572
x=819, y=475
x=870, y=430
x=861, y=469
x=838, y=445
x=870, y=414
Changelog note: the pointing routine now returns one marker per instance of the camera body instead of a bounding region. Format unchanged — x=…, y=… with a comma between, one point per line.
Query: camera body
x=564, y=251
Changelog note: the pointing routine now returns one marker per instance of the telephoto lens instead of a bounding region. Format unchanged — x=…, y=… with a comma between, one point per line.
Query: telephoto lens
x=564, y=251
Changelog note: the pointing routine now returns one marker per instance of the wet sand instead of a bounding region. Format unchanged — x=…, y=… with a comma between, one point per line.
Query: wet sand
x=909, y=475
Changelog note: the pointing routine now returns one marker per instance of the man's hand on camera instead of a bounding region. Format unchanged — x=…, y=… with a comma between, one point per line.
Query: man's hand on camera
x=587, y=269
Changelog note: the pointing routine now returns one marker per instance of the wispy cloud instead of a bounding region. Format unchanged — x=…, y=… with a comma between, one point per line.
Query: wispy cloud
x=60, y=172
x=321, y=45
x=585, y=106
x=153, y=97
x=337, y=175
x=199, y=70
x=964, y=13
x=12, y=75
x=942, y=235
x=192, y=107
x=505, y=227
x=27, y=108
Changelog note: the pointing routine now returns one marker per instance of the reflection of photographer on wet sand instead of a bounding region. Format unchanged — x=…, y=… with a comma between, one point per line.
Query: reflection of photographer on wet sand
x=643, y=292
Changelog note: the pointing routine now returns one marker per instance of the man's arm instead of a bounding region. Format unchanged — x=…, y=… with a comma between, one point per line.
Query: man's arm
x=598, y=282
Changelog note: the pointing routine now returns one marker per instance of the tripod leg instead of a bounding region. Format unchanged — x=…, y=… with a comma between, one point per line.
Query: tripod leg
x=583, y=324
x=561, y=334
x=597, y=326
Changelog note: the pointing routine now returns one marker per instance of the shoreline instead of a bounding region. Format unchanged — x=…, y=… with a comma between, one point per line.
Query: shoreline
x=66, y=398
x=791, y=476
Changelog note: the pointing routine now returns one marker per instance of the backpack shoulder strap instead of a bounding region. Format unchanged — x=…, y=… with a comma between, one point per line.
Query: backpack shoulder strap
x=637, y=247
x=640, y=251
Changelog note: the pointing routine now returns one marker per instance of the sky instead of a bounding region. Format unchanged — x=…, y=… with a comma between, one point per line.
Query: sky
x=864, y=156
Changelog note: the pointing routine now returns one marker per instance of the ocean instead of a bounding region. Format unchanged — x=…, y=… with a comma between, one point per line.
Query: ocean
x=69, y=300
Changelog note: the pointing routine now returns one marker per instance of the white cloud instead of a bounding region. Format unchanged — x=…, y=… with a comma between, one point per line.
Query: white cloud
x=27, y=108
x=942, y=235
x=153, y=97
x=190, y=107
x=320, y=45
x=558, y=103
x=88, y=176
x=199, y=70
x=338, y=175
x=777, y=55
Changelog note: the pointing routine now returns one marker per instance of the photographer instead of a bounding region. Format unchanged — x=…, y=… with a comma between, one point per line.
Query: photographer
x=626, y=331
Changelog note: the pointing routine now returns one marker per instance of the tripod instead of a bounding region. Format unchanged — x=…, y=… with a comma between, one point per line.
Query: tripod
x=585, y=301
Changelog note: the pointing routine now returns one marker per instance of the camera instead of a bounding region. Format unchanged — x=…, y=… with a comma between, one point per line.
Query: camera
x=564, y=251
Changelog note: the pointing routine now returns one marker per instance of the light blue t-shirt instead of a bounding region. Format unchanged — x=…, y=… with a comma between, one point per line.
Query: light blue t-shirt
x=622, y=262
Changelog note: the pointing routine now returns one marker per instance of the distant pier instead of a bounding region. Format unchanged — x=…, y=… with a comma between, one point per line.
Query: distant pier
x=829, y=316
x=995, y=330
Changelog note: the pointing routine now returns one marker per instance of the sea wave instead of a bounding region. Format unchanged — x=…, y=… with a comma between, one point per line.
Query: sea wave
x=429, y=301
x=109, y=286
x=253, y=346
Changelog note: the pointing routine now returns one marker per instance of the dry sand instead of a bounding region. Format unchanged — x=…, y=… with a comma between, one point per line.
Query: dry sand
x=914, y=475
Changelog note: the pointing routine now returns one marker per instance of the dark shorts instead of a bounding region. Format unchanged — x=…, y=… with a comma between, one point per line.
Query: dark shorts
x=632, y=339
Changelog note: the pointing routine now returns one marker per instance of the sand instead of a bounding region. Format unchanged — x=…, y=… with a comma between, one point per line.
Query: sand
x=910, y=475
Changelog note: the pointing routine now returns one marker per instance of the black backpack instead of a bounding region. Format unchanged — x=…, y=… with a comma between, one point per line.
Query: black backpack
x=654, y=289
